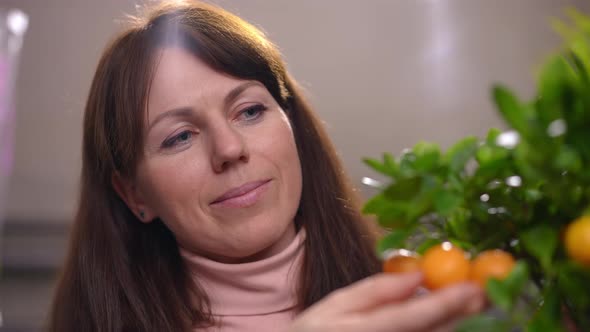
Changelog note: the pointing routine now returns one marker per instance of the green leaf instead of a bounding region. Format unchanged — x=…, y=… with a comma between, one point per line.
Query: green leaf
x=404, y=189
x=466, y=246
x=445, y=202
x=541, y=242
x=458, y=223
x=407, y=165
x=394, y=215
x=532, y=195
x=383, y=168
x=394, y=240
x=427, y=244
x=419, y=208
x=572, y=280
x=548, y=317
x=422, y=202
x=568, y=159
x=580, y=64
x=511, y=109
x=376, y=204
x=518, y=278
x=390, y=164
x=427, y=156
x=455, y=182
x=504, y=293
x=499, y=294
x=483, y=323
x=564, y=30
x=493, y=134
x=488, y=154
x=459, y=154
x=552, y=84
x=389, y=213
x=580, y=20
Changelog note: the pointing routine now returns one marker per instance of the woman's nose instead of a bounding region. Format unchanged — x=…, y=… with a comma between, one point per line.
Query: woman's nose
x=228, y=148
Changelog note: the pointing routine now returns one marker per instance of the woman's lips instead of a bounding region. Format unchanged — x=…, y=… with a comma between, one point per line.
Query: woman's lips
x=242, y=196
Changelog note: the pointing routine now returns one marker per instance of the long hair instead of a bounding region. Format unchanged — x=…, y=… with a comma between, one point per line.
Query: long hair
x=124, y=275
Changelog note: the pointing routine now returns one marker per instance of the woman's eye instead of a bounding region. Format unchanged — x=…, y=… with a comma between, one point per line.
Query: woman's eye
x=253, y=112
x=181, y=138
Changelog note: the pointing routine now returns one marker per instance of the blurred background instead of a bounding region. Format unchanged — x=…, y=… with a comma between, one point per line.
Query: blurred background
x=383, y=75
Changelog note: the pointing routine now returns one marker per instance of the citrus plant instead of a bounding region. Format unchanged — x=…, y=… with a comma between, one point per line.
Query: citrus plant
x=525, y=191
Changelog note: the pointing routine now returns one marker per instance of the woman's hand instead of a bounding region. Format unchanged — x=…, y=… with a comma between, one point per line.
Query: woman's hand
x=385, y=303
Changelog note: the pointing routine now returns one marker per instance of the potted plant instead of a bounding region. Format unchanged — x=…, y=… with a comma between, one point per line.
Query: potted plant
x=520, y=197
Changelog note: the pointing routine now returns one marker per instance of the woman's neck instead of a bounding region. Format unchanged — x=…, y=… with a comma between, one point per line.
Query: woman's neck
x=278, y=246
x=259, y=287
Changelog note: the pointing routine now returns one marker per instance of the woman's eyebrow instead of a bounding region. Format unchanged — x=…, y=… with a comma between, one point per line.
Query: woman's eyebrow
x=187, y=111
x=181, y=112
x=235, y=92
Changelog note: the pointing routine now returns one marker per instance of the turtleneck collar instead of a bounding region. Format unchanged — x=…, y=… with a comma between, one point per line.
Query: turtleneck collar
x=255, y=288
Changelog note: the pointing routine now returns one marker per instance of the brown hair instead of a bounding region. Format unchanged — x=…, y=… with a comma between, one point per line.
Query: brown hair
x=125, y=275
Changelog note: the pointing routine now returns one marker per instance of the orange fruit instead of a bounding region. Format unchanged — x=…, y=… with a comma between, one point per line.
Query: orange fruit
x=402, y=262
x=444, y=265
x=491, y=264
x=577, y=240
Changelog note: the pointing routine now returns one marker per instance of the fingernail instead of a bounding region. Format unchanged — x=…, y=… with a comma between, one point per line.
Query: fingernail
x=421, y=291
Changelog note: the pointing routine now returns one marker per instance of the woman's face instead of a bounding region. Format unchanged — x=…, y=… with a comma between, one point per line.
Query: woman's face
x=220, y=165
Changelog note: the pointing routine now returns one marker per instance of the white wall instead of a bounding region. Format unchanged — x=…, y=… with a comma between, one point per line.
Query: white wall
x=382, y=74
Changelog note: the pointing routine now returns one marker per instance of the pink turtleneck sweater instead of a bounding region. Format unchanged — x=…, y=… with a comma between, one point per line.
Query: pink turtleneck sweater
x=251, y=297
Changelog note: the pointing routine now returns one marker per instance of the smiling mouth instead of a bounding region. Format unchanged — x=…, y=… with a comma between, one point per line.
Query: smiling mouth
x=243, y=196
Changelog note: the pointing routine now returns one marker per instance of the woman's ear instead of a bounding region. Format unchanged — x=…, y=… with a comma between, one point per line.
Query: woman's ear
x=129, y=193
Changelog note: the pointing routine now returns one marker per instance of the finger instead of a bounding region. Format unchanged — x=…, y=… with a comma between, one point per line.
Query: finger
x=450, y=326
x=427, y=312
x=374, y=291
x=445, y=305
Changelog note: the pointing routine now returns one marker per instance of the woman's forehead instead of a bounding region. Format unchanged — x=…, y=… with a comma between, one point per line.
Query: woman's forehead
x=182, y=80
x=180, y=76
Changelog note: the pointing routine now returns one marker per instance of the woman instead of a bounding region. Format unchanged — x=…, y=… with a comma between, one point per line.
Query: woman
x=212, y=199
